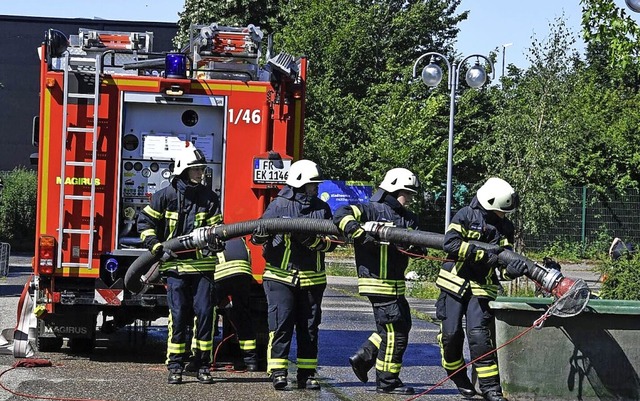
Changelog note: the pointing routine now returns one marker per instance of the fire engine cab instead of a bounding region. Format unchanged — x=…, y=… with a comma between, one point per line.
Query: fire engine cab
x=112, y=111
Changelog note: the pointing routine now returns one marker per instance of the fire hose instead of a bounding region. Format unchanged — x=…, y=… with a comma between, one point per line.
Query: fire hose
x=550, y=279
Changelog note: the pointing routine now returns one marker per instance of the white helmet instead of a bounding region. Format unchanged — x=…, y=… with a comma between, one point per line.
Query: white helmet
x=189, y=156
x=303, y=172
x=497, y=194
x=400, y=178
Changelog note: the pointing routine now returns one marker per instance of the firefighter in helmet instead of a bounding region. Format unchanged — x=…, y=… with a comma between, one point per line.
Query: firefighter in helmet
x=294, y=279
x=233, y=277
x=468, y=280
x=177, y=210
x=381, y=270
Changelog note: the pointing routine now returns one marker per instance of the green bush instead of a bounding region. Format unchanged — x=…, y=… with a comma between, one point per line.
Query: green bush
x=620, y=279
x=427, y=269
x=18, y=208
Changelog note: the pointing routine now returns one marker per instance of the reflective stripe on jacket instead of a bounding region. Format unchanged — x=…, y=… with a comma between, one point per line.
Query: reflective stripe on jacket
x=465, y=271
x=381, y=267
x=177, y=210
x=289, y=260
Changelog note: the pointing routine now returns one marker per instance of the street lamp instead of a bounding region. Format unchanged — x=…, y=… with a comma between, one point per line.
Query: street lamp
x=634, y=5
x=476, y=76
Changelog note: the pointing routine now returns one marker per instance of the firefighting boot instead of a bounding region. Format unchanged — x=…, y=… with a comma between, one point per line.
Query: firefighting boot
x=251, y=361
x=204, y=376
x=306, y=379
x=462, y=382
x=493, y=395
x=279, y=379
x=619, y=249
x=361, y=363
x=309, y=383
x=175, y=376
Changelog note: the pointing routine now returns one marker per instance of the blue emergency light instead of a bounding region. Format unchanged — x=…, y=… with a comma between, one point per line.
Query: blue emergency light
x=175, y=65
x=111, y=265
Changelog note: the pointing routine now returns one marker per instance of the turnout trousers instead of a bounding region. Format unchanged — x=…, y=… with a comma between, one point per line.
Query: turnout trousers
x=190, y=299
x=299, y=308
x=480, y=328
x=238, y=288
x=385, y=348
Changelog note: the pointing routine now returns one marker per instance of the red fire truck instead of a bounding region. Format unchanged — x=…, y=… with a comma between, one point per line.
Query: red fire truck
x=111, y=112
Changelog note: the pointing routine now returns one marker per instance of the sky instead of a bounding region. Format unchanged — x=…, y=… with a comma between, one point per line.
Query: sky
x=502, y=25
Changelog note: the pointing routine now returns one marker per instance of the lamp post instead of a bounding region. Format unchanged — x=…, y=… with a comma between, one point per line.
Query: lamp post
x=504, y=54
x=476, y=76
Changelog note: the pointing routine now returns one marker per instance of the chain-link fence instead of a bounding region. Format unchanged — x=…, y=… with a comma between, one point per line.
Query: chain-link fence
x=5, y=250
x=587, y=220
x=590, y=218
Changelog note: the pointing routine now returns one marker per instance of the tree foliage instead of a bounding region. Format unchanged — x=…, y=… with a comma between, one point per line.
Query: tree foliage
x=18, y=208
x=265, y=14
x=361, y=99
x=530, y=143
x=613, y=42
x=563, y=121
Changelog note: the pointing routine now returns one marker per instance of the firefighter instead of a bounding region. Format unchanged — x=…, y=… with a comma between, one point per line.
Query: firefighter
x=294, y=279
x=468, y=280
x=233, y=277
x=177, y=210
x=381, y=277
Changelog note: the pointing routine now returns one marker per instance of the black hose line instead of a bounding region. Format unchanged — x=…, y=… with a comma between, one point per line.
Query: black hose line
x=200, y=237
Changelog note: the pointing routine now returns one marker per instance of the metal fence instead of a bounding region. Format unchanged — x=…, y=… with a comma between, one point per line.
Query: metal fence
x=589, y=219
x=5, y=250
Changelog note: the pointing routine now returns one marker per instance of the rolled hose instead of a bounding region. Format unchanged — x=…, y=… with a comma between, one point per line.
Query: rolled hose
x=200, y=237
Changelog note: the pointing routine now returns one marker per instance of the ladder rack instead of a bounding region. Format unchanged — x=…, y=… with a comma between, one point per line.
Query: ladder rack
x=65, y=197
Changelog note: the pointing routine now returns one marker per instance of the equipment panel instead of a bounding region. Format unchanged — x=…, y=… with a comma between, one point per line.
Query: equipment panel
x=154, y=128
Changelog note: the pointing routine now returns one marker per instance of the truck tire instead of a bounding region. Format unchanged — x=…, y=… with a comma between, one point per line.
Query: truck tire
x=49, y=344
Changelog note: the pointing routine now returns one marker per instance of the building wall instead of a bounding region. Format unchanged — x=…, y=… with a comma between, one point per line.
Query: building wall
x=20, y=67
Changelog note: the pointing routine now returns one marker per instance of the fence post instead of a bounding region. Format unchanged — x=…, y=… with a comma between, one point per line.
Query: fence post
x=583, y=226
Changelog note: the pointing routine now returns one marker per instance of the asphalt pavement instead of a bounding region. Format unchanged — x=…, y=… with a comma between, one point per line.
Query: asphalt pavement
x=129, y=365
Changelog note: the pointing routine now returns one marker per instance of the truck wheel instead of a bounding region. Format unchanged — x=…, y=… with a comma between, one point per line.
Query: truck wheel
x=81, y=345
x=49, y=344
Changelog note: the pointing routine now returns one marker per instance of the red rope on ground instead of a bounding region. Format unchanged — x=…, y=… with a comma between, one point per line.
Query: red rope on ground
x=215, y=354
x=536, y=324
x=417, y=255
x=32, y=363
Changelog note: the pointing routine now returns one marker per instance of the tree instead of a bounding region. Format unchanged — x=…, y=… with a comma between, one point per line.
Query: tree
x=262, y=13
x=359, y=85
x=613, y=43
x=531, y=144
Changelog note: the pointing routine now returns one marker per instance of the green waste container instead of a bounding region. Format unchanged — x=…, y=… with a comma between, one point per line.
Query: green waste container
x=592, y=356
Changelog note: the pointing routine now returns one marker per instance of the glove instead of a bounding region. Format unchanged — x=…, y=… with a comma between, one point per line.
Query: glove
x=365, y=239
x=516, y=268
x=164, y=254
x=259, y=235
x=372, y=226
x=215, y=244
x=307, y=240
x=491, y=258
x=154, y=244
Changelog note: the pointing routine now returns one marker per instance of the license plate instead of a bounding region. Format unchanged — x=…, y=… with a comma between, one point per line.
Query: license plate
x=266, y=171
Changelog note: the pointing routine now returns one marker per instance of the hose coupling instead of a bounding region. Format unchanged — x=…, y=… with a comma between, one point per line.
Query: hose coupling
x=199, y=237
